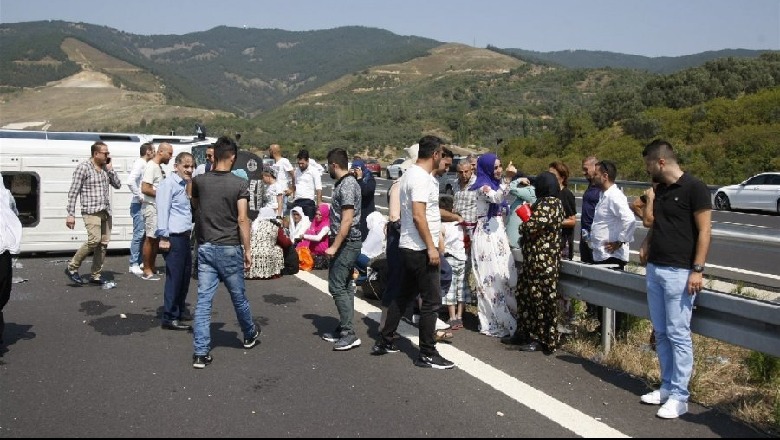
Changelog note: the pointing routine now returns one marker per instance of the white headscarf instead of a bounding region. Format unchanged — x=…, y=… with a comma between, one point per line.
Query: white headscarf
x=266, y=213
x=375, y=242
x=297, y=230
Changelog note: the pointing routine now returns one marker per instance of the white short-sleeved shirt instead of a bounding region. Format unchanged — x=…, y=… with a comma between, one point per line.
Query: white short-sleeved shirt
x=153, y=175
x=417, y=185
x=283, y=167
x=271, y=191
x=453, y=241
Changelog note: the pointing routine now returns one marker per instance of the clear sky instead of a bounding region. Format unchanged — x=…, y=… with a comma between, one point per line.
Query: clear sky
x=640, y=27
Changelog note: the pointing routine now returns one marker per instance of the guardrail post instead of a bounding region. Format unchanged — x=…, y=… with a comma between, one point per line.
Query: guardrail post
x=607, y=329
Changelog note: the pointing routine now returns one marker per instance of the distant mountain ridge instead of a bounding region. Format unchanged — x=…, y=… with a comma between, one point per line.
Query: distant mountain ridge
x=250, y=71
x=595, y=59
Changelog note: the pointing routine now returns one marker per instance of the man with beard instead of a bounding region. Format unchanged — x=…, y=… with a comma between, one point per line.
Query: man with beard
x=345, y=244
x=420, y=226
x=675, y=250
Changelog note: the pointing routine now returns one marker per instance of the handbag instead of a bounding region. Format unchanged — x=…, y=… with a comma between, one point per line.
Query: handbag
x=305, y=260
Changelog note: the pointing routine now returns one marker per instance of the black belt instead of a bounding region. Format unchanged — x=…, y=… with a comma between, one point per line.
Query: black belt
x=181, y=234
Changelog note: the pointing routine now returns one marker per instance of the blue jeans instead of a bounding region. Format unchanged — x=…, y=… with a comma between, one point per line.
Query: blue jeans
x=178, y=269
x=219, y=263
x=138, y=233
x=361, y=264
x=339, y=283
x=670, y=312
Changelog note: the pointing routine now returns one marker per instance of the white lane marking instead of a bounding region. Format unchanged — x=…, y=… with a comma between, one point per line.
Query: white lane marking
x=564, y=415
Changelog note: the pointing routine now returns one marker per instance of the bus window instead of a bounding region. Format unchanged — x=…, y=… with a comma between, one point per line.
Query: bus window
x=25, y=187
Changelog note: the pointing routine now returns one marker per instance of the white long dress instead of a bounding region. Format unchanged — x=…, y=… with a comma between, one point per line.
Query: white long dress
x=494, y=270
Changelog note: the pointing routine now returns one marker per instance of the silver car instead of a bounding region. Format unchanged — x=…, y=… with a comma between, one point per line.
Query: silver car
x=394, y=171
x=761, y=192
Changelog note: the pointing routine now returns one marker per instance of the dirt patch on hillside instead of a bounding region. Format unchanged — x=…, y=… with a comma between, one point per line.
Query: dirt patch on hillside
x=85, y=79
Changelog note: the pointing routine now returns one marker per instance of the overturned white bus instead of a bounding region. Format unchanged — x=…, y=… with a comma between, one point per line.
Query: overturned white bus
x=37, y=167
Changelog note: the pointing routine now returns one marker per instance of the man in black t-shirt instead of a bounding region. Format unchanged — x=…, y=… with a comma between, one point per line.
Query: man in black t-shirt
x=675, y=250
x=224, y=251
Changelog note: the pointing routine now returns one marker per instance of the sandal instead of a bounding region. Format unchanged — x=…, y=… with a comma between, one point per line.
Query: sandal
x=443, y=335
x=455, y=324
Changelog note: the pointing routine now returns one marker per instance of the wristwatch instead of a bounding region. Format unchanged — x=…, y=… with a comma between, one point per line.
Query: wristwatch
x=698, y=268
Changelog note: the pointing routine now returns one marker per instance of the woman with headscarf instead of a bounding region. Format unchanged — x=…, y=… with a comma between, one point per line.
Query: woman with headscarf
x=492, y=262
x=317, y=237
x=298, y=224
x=267, y=255
x=538, y=289
x=367, y=187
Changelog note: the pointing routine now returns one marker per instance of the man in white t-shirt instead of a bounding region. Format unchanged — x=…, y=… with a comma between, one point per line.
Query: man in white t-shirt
x=285, y=178
x=136, y=213
x=419, y=246
x=153, y=175
x=308, y=186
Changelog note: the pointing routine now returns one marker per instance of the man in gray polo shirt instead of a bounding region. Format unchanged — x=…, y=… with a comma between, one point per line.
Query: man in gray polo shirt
x=344, y=248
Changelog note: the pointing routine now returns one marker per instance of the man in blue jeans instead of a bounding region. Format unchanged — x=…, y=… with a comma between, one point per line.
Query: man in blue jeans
x=675, y=250
x=174, y=228
x=344, y=248
x=224, y=252
x=134, y=184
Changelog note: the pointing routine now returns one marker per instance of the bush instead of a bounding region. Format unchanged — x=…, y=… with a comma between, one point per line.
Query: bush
x=763, y=368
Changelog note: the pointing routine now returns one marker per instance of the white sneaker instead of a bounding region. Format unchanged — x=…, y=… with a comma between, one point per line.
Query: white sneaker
x=441, y=325
x=136, y=270
x=415, y=319
x=672, y=409
x=657, y=397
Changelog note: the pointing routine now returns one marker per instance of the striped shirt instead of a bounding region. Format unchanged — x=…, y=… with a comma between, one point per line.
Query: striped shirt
x=91, y=185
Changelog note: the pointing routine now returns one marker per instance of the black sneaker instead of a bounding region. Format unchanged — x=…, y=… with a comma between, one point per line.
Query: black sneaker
x=74, y=276
x=200, y=361
x=333, y=336
x=96, y=281
x=347, y=342
x=251, y=342
x=382, y=347
x=436, y=361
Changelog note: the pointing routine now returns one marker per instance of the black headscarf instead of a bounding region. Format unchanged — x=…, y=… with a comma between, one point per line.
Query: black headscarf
x=546, y=185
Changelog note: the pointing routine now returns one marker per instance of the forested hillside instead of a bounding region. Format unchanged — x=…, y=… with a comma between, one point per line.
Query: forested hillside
x=244, y=71
x=371, y=91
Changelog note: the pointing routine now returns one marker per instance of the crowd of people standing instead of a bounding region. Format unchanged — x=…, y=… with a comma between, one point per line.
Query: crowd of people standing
x=439, y=250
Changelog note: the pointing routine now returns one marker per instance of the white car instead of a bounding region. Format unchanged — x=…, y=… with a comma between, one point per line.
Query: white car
x=761, y=192
x=394, y=171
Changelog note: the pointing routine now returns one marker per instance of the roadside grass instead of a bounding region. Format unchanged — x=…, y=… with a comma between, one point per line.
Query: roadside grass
x=738, y=382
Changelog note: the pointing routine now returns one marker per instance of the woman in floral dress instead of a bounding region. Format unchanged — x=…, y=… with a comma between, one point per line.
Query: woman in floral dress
x=493, y=264
x=538, y=289
x=267, y=256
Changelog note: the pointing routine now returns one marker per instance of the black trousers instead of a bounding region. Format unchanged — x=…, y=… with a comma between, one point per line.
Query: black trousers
x=417, y=277
x=620, y=317
x=5, y=286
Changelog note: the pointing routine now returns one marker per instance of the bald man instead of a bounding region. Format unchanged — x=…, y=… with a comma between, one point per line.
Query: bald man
x=285, y=177
x=153, y=175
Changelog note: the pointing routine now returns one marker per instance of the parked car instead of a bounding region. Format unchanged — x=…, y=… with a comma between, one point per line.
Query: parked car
x=761, y=192
x=374, y=166
x=449, y=180
x=394, y=171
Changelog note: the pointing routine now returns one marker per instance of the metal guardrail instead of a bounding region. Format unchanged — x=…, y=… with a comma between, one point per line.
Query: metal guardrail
x=577, y=182
x=746, y=322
